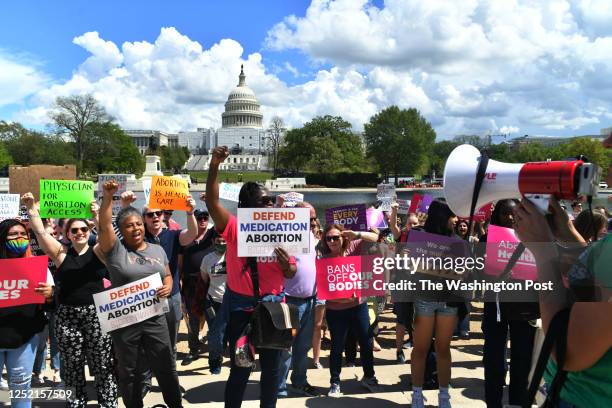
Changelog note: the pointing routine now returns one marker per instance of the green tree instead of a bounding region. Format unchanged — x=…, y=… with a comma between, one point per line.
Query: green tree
x=593, y=150
x=110, y=150
x=173, y=158
x=399, y=140
x=28, y=147
x=296, y=151
x=440, y=152
x=5, y=156
x=72, y=115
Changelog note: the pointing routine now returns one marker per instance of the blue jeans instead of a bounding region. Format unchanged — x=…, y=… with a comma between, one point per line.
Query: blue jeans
x=19, y=363
x=41, y=352
x=339, y=322
x=216, y=328
x=297, y=357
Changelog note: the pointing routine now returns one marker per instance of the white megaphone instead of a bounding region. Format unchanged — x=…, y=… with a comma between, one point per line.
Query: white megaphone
x=564, y=179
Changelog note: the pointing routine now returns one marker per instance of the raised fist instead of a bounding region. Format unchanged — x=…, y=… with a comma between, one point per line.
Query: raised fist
x=127, y=198
x=28, y=200
x=110, y=188
x=219, y=154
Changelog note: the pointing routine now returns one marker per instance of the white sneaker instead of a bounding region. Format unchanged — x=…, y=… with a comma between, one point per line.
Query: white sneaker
x=3, y=384
x=334, y=391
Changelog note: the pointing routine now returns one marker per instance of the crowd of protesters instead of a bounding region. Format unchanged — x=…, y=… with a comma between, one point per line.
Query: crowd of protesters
x=207, y=283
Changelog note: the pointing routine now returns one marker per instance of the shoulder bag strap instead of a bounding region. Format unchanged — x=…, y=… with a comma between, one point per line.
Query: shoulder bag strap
x=480, y=175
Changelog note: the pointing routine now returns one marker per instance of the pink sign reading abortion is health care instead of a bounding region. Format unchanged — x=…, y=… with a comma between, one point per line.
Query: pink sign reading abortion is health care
x=501, y=243
x=344, y=277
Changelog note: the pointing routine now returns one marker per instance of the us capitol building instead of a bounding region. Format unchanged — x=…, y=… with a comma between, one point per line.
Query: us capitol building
x=242, y=131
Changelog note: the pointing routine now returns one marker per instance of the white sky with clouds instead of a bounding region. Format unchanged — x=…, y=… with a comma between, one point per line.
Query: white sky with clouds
x=537, y=67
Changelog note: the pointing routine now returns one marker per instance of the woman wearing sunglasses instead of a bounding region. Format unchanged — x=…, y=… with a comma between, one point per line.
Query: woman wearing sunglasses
x=343, y=314
x=77, y=329
x=238, y=300
x=20, y=326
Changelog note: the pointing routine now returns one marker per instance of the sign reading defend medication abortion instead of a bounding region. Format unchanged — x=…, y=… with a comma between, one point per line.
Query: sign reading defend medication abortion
x=352, y=217
x=260, y=230
x=229, y=191
x=344, y=277
x=9, y=206
x=129, y=304
x=168, y=193
x=66, y=198
x=501, y=243
x=18, y=279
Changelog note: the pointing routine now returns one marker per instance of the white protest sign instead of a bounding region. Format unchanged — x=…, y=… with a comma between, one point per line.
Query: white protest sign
x=229, y=191
x=404, y=205
x=146, y=188
x=121, y=179
x=292, y=198
x=260, y=230
x=9, y=206
x=129, y=304
x=385, y=193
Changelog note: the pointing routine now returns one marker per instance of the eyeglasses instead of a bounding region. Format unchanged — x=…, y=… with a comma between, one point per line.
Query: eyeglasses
x=75, y=230
x=331, y=238
x=202, y=217
x=154, y=214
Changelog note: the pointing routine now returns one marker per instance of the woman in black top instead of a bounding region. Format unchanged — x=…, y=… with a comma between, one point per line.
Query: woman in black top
x=79, y=275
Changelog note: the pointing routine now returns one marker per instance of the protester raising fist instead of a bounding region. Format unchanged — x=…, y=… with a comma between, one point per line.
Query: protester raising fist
x=219, y=154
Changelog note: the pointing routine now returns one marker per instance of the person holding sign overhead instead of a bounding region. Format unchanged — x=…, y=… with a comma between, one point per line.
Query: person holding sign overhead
x=271, y=272
x=128, y=261
x=77, y=329
x=20, y=326
x=343, y=314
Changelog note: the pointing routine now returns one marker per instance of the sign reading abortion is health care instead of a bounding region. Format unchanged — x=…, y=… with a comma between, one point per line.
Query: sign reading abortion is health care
x=260, y=230
x=9, y=206
x=501, y=243
x=352, y=217
x=344, y=277
x=66, y=198
x=168, y=193
x=18, y=279
x=129, y=304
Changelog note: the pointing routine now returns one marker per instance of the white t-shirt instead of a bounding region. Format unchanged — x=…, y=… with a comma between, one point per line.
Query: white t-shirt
x=214, y=264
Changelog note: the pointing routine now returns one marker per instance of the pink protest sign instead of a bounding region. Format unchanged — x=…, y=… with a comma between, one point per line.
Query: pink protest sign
x=501, y=243
x=18, y=279
x=415, y=202
x=376, y=218
x=344, y=277
x=483, y=213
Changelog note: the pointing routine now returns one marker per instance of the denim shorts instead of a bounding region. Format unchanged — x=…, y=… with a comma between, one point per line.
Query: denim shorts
x=427, y=308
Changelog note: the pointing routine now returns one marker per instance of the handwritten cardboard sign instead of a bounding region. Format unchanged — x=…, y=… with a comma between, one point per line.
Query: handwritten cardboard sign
x=385, y=193
x=345, y=277
x=129, y=304
x=66, y=198
x=261, y=230
x=292, y=198
x=121, y=180
x=351, y=217
x=501, y=243
x=9, y=206
x=168, y=193
x=229, y=191
x=18, y=279
x=404, y=206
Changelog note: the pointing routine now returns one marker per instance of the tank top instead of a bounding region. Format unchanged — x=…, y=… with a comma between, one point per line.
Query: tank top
x=79, y=277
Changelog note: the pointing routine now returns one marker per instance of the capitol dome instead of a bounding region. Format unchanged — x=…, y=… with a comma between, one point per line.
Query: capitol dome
x=242, y=108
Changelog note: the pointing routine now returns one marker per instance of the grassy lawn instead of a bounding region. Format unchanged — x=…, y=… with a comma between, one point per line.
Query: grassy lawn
x=232, y=176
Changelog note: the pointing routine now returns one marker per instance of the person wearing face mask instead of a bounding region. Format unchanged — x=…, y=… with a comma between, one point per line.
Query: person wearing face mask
x=239, y=292
x=500, y=319
x=213, y=270
x=20, y=326
x=78, y=277
x=190, y=271
x=127, y=261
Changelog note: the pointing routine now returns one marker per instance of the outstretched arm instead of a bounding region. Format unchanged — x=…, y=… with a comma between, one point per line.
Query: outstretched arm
x=393, y=221
x=106, y=234
x=218, y=213
x=52, y=247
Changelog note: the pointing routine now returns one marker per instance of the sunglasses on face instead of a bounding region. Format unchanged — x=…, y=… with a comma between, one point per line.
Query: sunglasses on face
x=75, y=230
x=202, y=217
x=313, y=219
x=331, y=238
x=154, y=214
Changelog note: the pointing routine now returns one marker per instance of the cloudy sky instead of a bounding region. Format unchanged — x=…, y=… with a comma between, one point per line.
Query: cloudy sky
x=470, y=67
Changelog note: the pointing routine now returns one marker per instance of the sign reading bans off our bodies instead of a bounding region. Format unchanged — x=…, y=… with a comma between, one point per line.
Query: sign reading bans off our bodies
x=66, y=198
x=260, y=230
x=344, y=277
x=129, y=304
x=18, y=279
x=168, y=193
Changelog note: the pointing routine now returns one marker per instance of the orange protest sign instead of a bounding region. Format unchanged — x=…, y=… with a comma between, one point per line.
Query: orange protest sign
x=168, y=193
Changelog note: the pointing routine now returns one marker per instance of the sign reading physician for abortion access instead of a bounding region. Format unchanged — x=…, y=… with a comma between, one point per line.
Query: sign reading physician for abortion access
x=260, y=230
x=129, y=304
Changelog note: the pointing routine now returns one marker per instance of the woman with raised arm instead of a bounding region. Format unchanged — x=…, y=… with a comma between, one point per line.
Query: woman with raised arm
x=127, y=261
x=239, y=293
x=20, y=326
x=79, y=275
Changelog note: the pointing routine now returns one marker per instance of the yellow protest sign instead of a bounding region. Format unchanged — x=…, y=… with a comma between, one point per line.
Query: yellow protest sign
x=168, y=193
